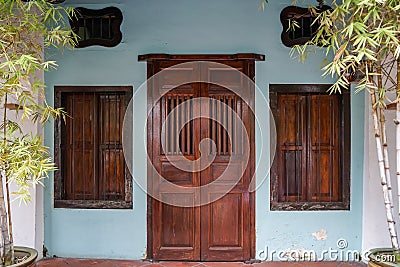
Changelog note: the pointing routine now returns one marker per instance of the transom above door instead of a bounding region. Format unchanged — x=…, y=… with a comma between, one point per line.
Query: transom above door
x=201, y=144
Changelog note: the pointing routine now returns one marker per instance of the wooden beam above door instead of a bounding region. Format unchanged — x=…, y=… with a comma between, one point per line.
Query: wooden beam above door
x=204, y=57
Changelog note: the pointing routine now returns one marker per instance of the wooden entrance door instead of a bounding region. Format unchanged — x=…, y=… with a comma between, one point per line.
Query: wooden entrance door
x=197, y=221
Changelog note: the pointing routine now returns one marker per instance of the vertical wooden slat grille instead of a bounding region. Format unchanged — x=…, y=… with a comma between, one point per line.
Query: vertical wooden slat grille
x=95, y=27
x=178, y=128
x=94, y=161
x=308, y=148
x=224, y=110
x=307, y=26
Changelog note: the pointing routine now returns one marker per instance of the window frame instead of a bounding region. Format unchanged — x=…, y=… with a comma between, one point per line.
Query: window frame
x=297, y=12
x=59, y=189
x=345, y=146
x=115, y=26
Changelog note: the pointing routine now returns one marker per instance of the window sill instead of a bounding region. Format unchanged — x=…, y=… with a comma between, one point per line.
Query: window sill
x=309, y=206
x=92, y=204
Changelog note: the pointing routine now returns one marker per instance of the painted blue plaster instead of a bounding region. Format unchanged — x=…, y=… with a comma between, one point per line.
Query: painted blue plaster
x=189, y=26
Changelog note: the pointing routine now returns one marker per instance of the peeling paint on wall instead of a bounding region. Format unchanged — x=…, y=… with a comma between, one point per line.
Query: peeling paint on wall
x=320, y=235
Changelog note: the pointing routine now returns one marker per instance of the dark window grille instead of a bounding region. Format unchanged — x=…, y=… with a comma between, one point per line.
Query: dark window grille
x=93, y=172
x=97, y=27
x=311, y=167
x=299, y=25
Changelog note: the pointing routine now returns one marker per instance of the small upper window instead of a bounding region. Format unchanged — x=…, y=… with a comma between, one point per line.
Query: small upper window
x=299, y=24
x=97, y=27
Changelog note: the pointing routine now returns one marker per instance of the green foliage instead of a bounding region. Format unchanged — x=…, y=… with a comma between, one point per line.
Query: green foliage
x=359, y=35
x=26, y=28
x=263, y=2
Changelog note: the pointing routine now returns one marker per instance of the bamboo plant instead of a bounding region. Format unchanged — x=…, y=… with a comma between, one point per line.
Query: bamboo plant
x=361, y=38
x=26, y=29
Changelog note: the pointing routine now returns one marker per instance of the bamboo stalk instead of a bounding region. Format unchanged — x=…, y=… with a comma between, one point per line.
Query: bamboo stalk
x=397, y=123
x=8, y=250
x=389, y=213
x=382, y=118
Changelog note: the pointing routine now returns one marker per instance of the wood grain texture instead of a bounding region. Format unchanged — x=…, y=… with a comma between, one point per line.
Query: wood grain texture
x=224, y=229
x=311, y=170
x=89, y=148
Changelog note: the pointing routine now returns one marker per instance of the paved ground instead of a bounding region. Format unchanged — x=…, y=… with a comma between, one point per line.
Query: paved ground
x=60, y=262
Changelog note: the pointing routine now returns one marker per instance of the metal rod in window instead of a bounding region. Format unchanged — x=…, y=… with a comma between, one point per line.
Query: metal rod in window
x=292, y=28
x=177, y=112
x=216, y=130
x=179, y=123
x=84, y=29
x=227, y=124
x=214, y=123
x=101, y=28
x=220, y=128
x=171, y=125
x=191, y=126
x=93, y=33
x=166, y=124
x=185, y=128
x=233, y=133
x=171, y=120
x=221, y=132
x=312, y=21
x=176, y=125
x=224, y=123
x=210, y=121
x=189, y=135
x=230, y=135
x=109, y=27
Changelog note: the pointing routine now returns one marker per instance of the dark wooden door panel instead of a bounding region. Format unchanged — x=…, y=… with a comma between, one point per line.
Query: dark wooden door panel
x=179, y=229
x=223, y=229
x=176, y=230
x=224, y=232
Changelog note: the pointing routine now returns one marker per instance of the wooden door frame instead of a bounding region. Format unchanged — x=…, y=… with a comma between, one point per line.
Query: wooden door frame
x=152, y=68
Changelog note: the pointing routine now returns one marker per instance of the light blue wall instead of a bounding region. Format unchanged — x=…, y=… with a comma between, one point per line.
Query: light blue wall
x=192, y=26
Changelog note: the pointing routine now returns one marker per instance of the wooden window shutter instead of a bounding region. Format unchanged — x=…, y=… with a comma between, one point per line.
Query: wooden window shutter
x=111, y=176
x=292, y=147
x=311, y=168
x=92, y=170
x=324, y=148
x=80, y=147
